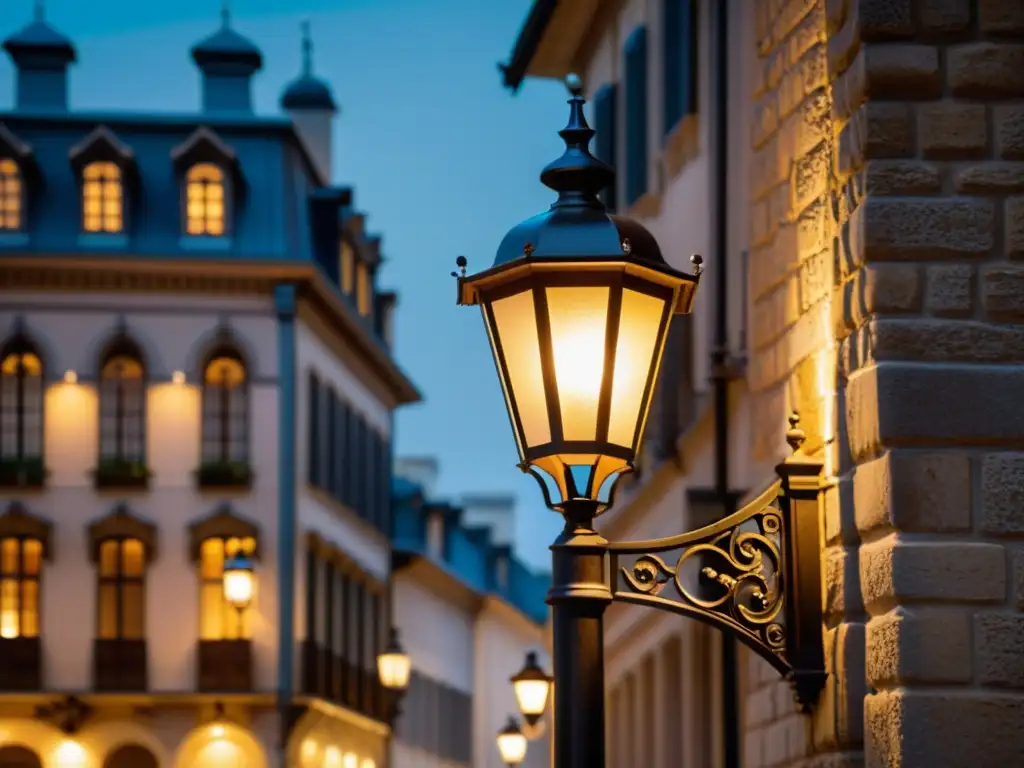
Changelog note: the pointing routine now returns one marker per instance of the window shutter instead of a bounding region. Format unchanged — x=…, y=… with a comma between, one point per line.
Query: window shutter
x=313, y=459
x=690, y=42
x=636, y=115
x=679, y=79
x=338, y=462
x=370, y=474
x=344, y=470
x=359, y=467
x=330, y=419
x=604, y=136
x=385, y=485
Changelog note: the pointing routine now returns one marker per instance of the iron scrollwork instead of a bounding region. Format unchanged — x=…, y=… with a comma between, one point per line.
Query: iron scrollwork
x=754, y=574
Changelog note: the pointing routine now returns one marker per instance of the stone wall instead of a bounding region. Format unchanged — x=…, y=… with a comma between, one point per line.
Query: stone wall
x=889, y=189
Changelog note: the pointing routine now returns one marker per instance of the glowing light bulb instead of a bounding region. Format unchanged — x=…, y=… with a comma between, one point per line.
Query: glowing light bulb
x=70, y=377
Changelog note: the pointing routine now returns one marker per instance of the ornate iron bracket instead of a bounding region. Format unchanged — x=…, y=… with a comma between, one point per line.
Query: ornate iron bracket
x=755, y=574
x=68, y=714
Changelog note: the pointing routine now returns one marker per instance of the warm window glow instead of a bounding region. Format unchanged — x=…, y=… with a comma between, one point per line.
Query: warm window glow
x=21, y=403
x=20, y=563
x=225, y=410
x=346, y=267
x=122, y=598
x=10, y=195
x=205, y=212
x=102, y=198
x=219, y=619
x=123, y=408
x=364, y=290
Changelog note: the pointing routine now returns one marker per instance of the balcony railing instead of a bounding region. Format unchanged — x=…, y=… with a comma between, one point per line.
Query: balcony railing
x=224, y=665
x=330, y=677
x=21, y=667
x=120, y=665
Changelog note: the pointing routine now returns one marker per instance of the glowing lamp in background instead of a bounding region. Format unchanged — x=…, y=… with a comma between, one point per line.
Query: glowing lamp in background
x=239, y=582
x=394, y=665
x=532, y=686
x=511, y=743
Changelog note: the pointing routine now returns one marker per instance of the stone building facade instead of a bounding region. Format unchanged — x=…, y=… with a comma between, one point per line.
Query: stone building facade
x=884, y=201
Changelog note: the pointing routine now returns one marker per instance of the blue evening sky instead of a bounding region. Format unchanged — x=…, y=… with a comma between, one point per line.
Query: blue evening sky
x=442, y=158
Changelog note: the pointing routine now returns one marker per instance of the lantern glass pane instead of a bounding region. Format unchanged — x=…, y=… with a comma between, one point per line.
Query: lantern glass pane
x=635, y=348
x=579, y=321
x=516, y=332
x=512, y=747
x=532, y=696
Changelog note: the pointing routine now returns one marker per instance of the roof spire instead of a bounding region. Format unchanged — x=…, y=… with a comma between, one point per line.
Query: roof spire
x=225, y=12
x=40, y=10
x=307, y=49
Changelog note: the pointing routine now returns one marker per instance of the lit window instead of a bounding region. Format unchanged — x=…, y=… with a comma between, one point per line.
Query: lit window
x=122, y=596
x=21, y=402
x=20, y=562
x=204, y=200
x=219, y=620
x=123, y=407
x=225, y=409
x=363, y=289
x=10, y=196
x=102, y=198
x=346, y=267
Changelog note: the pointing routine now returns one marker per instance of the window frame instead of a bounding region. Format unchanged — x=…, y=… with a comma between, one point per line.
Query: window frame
x=240, y=620
x=227, y=207
x=103, y=182
x=21, y=577
x=121, y=582
x=18, y=177
x=227, y=398
x=123, y=347
x=21, y=345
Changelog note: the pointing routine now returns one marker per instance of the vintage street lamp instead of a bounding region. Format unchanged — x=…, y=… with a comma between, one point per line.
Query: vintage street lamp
x=532, y=685
x=577, y=306
x=393, y=668
x=511, y=743
x=239, y=582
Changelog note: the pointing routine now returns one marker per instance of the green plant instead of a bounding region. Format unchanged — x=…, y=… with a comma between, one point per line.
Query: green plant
x=224, y=473
x=23, y=471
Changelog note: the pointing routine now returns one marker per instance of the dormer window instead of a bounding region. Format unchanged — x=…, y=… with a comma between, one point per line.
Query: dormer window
x=11, y=196
x=102, y=163
x=102, y=198
x=364, y=289
x=204, y=191
x=209, y=175
x=346, y=267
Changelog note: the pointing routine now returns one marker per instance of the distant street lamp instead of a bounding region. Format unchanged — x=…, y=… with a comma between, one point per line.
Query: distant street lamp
x=577, y=307
x=511, y=743
x=239, y=582
x=394, y=668
x=532, y=686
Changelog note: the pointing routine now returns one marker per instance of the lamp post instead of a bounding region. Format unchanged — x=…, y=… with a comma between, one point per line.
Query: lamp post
x=393, y=668
x=532, y=686
x=511, y=743
x=239, y=582
x=577, y=306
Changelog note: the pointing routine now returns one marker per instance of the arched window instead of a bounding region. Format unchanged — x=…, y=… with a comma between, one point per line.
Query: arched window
x=21, y=560
x=11, y=196
x=130, y=756
x=19, y=757
x=102, y=198
x=205, y=210
x=122, y=590
x=219, y=620
x=21, y=413
x=123, y=406
x=225, y=410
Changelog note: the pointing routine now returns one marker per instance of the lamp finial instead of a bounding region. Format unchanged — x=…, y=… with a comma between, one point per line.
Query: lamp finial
x=40, y=10
x=225, y=12
x=307, y=48
x=795, y=436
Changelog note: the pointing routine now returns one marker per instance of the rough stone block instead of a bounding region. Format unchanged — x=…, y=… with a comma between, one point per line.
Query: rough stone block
x=912, y=729
x=888, y=129
x=1008, y=121
x=931, y=340
x=1002, y=292
x=890, y=288
x=902, y=177
x=924, y=228
x=1002, y=494
x=759, y=707
x=946, y=16
x=893, y=404
x=923, y=645
x=753, y=749
x=842, y=582
x=884, y=19
x=1018, y=578
x=914, y=491
x=1001, y=17
x=951, y=130
x=896, y=571
x=950, y=291
x=838, y=717
x=901, y=71
x=999, y=639
x=998, y=178
x=1013, y=223
x=986, y=70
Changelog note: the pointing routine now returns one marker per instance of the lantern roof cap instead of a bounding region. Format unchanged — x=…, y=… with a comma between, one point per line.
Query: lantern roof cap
x=578, y=225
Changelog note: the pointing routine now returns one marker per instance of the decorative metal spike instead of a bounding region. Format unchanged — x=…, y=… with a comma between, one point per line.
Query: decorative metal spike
x=697, y=262
x=574, y=83
x=461, y=262
x=528, y=250
x=627, y=247
x=795, y=436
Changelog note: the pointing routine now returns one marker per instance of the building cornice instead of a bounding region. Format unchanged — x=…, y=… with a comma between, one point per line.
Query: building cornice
x=426, y=573
x=318, y=300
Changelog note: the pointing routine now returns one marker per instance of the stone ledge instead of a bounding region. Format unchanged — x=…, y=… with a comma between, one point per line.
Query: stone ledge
x=920, y=645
